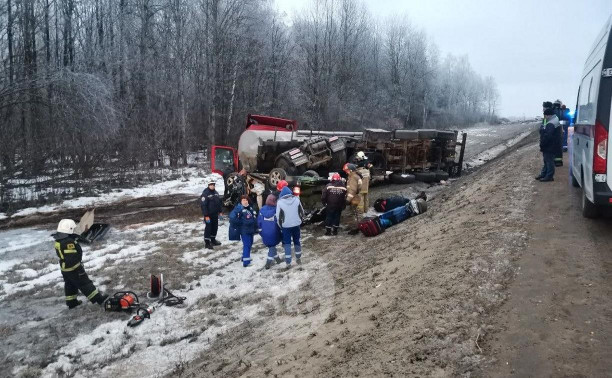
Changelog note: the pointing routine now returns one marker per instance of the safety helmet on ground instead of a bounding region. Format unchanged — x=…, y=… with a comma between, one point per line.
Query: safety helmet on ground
x=361, y=155
x=281, y=184
x=66, y=226
x=336, y=177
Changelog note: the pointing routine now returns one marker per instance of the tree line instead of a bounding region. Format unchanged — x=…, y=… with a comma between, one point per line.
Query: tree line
x=88, y=83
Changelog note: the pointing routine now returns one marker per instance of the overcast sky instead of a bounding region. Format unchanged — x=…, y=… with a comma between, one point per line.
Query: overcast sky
x=535, y=49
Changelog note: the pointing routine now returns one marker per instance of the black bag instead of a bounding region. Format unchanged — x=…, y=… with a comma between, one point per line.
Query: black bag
x=371, y=226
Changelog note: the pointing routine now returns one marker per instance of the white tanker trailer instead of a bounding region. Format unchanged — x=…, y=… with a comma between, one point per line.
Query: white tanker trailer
x=273, y=149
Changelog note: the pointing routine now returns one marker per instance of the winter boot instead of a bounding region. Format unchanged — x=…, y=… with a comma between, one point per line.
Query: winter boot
x=278, y=260
x=269, y=264
x=215, y=242
x=335, y=231
x=74, y=304
x=100, y=299
x=208, y=245
x=328, y=231
x=298, y=260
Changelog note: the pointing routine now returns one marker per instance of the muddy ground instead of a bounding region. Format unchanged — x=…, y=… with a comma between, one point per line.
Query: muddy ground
x=502, y=276
x=416, y=300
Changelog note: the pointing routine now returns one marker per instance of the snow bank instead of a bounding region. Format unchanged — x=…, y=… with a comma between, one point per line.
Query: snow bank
x=193, y=182
x=495, y=151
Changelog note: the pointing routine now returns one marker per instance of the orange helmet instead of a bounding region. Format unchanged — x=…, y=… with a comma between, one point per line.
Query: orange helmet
x=281, y=184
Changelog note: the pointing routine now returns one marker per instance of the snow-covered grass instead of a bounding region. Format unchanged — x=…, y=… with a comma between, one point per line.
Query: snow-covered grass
x=222, y=296
x=193, y=182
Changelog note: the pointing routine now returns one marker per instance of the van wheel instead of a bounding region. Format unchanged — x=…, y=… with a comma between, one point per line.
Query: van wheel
x=575, y=183
x=589, y=210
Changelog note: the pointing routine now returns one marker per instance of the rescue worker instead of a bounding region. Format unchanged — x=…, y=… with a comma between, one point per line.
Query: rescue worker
x=269, y=230
x=353, y=187
x=558, y=134
x=212, y=206
x=364, y=200
x=334, y=199
x=243, y=218
x=548, y=144
x=360, y=160
x=289, y=214
x=70, y=255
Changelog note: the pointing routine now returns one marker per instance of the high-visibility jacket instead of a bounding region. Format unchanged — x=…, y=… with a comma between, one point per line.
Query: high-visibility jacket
x=69, y=252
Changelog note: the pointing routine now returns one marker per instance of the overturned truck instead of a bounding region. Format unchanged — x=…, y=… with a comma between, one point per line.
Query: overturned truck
x=273, y=149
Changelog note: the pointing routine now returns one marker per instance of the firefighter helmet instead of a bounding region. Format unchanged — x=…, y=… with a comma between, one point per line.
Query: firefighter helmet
x=66, y=226
x=281, y=184
x=361, y=156
x=335, y=177
x=349, y=167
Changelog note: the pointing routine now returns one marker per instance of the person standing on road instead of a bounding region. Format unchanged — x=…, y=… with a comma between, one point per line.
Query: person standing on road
x=243, y=218
x=289, y=213
x=70, y=255
x=353, y=187
x=549, y=144
x=269, y=230
x=334, y=198
x=212, y=206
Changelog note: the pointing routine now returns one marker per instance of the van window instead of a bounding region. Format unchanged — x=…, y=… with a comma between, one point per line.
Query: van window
x=589, y=91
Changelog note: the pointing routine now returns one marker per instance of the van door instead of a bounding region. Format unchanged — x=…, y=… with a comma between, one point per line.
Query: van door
x=223, y=160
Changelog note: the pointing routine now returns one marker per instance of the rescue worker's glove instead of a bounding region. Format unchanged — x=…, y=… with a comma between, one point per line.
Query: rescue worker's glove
x=207, y=220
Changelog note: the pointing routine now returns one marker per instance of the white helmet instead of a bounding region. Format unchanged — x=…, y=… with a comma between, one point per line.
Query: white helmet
x=361, y=155
x=66, y=226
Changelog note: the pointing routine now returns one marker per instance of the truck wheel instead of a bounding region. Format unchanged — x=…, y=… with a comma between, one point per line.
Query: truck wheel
x=425, y=176
x=575, y=183
x=275, y=176
x=286, y=166
x=441, y=175
x=402, y=178
x=311, y=173
x=589, y=209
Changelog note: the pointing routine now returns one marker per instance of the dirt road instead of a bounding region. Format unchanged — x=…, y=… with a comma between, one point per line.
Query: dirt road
x=558, y=319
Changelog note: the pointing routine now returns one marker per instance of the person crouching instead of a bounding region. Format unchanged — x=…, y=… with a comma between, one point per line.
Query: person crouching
x=334, y=198
x=269, y=230
x=243, y=218
x=289, y=213
x=70, y=255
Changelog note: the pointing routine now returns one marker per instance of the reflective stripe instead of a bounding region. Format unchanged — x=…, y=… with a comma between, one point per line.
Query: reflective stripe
x=71, y=297
x=93, y=294
x=270, y=258
x=70, y=251
x=64, y=269
x=58, y=248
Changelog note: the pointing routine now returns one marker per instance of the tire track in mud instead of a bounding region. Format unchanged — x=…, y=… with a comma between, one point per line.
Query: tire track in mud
x=412, y=301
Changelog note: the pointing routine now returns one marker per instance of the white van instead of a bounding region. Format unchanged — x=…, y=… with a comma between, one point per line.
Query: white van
x=591, y=162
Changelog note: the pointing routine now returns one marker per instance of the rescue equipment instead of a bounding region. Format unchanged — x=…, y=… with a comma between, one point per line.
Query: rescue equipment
x=122, y=301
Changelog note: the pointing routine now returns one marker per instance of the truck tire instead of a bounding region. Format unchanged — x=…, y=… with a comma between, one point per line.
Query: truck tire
x=402, y=178
x=276, y=175
x=425, y=176
x=427, y=134
x=338, y=160
x=589, y=209
x=286, y=166
x=311, y=173
x=401, y=134
x=441, y=175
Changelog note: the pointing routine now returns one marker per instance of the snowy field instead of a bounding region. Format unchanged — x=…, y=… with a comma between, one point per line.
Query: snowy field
x=221, y=294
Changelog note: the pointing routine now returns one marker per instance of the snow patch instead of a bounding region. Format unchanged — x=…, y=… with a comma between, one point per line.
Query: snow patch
x=495, y=151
